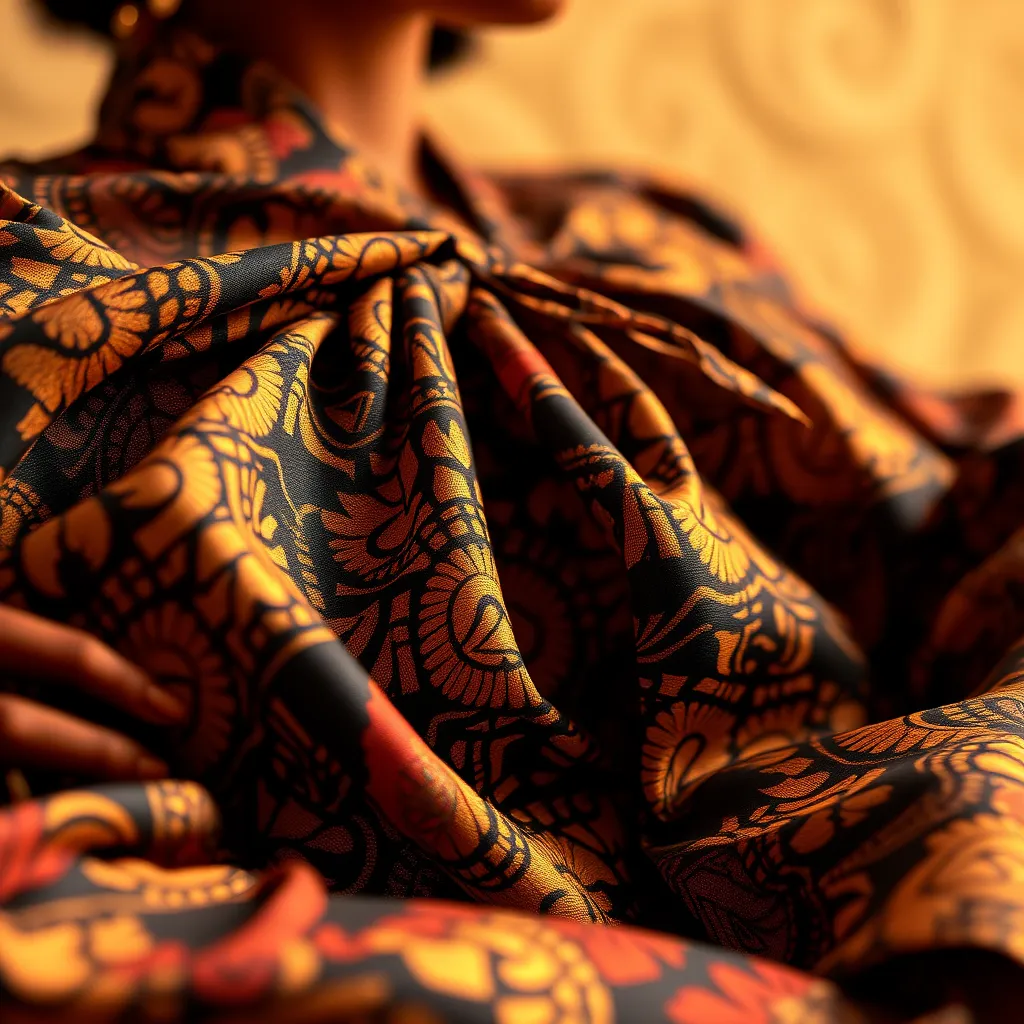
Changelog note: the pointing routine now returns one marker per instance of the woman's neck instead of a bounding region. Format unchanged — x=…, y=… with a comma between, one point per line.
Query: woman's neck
x=364, y=71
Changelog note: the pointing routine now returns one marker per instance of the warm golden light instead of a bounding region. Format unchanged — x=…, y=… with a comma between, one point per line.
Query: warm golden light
x=876, y=146
x=163, y=8
x=125, y=19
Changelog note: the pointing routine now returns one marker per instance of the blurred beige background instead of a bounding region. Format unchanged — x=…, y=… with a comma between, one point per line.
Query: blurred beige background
x=878, y=145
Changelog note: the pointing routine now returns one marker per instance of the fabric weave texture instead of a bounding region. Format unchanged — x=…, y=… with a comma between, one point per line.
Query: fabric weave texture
x=546, y=554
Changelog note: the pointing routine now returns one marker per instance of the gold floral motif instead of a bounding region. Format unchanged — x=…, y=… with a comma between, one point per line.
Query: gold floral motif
x=723, y=554
x=169, y=889
x=526, y=969
x=680, y=746
x=466, y=636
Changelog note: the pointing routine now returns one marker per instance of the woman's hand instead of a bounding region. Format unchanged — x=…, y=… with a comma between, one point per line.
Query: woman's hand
x=33, y=735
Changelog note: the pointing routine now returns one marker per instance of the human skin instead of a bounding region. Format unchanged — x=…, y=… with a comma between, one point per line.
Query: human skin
x=362, y=64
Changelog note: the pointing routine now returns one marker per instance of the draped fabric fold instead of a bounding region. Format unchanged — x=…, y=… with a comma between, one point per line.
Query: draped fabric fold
x=537, y=551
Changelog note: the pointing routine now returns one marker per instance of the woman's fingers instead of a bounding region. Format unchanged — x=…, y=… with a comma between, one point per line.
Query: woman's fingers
x=35, y=736
x=36, y=648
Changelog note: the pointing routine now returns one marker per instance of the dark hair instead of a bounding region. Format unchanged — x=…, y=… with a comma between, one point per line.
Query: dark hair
x=447, y=46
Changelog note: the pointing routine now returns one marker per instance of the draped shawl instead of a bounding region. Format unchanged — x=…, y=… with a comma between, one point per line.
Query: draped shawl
x=536, y=557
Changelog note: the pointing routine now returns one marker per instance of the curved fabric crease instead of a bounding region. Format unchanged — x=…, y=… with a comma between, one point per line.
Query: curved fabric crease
x=548, y=556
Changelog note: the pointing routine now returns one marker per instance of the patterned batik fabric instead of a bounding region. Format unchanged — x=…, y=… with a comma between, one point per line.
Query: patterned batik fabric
x=536, y=549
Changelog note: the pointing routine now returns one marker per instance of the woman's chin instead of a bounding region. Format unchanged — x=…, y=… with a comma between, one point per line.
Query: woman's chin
x=531, y=11
x=497, y=12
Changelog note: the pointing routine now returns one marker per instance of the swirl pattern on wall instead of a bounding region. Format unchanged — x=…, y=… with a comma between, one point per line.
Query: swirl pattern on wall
x=982, y=137
x=846, y=71
x=874, y=143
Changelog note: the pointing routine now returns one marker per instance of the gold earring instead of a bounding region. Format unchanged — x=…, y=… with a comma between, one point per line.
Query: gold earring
x=125, y=21
x=126, y=17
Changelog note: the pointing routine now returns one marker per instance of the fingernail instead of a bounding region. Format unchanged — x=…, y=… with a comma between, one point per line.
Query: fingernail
x=149, y=767
x=164, y=705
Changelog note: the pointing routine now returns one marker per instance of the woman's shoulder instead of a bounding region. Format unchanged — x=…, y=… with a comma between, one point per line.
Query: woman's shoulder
x=546, y=195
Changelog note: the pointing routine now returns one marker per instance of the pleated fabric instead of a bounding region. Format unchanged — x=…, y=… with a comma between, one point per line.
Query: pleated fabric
x=539, y=560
